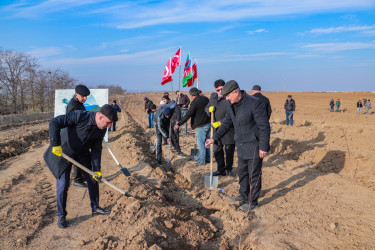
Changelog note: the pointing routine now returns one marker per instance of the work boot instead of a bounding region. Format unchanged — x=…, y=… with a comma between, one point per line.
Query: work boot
x=238, y=198
x=245, y=207
x=217, y=173
x=158, y=162
x=101, y=211
x=61, y=222
x=80, y=184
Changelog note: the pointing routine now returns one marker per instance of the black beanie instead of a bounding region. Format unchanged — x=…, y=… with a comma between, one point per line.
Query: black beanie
x=219, y=82
x=109, y=112
x=82, y=90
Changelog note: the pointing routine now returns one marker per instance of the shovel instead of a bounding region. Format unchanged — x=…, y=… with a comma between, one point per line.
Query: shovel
x=194, y=153
x=97, y=176
x=123, y=170
x=211, y=181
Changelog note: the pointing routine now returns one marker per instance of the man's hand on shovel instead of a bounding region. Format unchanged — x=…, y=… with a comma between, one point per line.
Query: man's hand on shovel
x=208, y=142
x=57, y=150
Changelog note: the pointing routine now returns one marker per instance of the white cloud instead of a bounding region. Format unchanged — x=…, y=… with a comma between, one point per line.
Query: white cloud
x=45, y=52
x=334, y=47
x=143, y=57
x=250, y=32
x=340, y=29
x=136, y=14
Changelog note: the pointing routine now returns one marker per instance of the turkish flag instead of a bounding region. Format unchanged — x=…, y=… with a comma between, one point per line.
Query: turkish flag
x=167, y=76
x=176, y=60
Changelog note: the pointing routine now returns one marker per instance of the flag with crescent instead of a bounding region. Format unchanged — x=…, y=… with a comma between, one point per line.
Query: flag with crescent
x=167, y=76
x=176, y=60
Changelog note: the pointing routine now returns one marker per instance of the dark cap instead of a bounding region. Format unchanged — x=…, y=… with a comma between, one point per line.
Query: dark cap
x=109, y=112
x=145, y=98
x=194, y=91
x=114, y=101
x=199, y=91
x=167, y=111
x=257, y=87
x=289, y=96
x=219, y=82
x=82, y=90
x=229, y=87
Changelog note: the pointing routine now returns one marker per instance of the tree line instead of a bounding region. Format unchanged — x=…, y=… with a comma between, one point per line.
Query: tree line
x=26, y=87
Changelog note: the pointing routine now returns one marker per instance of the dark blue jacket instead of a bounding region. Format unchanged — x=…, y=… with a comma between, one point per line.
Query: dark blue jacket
x=116, y=108
x=80, y=138
x=251, y=126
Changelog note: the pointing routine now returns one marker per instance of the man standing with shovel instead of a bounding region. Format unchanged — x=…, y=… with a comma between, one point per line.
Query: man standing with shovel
x=251, y=134
x=81, y=139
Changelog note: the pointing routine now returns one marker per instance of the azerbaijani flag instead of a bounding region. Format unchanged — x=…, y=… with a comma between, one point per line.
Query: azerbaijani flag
x=195, y=74
x=188, y=72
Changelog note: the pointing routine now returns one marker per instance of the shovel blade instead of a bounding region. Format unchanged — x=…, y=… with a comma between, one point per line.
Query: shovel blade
x=124, y=170
x=211, y=183
x=194, y=154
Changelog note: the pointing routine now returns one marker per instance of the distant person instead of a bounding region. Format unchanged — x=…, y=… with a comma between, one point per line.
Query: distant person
x=364, y=102
x=257, y=94
x=368, y=106
x=76, y=103
x=252, y=135
x=338, y=104
x=217, y=107
x=183, y=102
x=199, y=121
x=117, y=109
x=332, y=105
x=148, y=110
x=359, y=106
x=290, y=107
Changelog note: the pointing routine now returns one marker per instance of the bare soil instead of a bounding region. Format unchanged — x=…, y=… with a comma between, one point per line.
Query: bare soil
x=318, y=188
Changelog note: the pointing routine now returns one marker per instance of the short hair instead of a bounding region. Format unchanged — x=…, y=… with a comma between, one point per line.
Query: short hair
x=177, y=92
x=166, y=93
x=219, y=82
x=165, y=97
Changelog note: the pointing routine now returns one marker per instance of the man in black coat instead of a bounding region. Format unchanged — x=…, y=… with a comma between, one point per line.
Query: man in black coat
x=183, y=102
x=290, y=108
x=76, y=103
x=218, y=105
x=252, y=135
x=199, y=121
x=257, y=94
x=80, y=138
x=117, y=109
x=148, y=110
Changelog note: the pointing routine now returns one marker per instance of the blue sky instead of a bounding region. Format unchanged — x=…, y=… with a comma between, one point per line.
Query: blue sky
x=291, y=45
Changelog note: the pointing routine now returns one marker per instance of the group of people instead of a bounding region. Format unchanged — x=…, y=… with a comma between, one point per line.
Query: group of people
x=366, y=104
x=239, y=119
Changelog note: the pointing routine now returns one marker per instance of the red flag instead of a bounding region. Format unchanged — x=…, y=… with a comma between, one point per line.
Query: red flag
x=167, y=76
x=195, y=74
x=176, y=59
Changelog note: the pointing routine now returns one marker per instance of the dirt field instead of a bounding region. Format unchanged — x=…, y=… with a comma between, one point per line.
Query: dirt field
x=318, y=187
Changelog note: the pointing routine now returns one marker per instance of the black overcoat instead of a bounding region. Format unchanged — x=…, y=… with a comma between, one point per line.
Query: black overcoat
x=80, y=138
x=251, y=126
x=266, y=102
x=221, y=106
x=74, y=105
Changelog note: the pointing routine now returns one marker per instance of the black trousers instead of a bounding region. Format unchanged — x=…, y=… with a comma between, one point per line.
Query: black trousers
x=224, y=163
x=175, y=140
x=77, y=175
x=250, y=178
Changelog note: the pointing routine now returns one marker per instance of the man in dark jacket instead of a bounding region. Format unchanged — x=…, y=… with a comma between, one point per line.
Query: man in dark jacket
x=81, y=138
x=183, y=102
x=252, y=135
x=199, y=121
x=148, y=110
x=218, y=105
x=332, y=105
x=290, y=107
x=76, y=103
x=117, y=109
x=257, y=94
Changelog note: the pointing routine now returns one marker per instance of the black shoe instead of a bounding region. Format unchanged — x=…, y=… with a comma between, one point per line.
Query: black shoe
x=246, y=207
x=158, y=162
x=238, y=198
x=80, y=184
x=61, y=222
x=217, y=173
x=101, y=211
x=231, y=173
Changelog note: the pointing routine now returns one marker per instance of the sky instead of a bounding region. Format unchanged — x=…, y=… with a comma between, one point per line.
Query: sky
x=289, y=45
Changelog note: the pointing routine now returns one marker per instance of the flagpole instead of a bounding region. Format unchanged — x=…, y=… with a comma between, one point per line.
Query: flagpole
x=179, y=74
x=197, y=82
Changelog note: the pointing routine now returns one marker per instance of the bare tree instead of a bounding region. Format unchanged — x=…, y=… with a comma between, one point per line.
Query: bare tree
x=113, y=89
